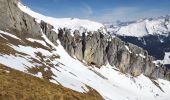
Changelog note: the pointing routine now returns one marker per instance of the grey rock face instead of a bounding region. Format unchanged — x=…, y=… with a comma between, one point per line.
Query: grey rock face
x=95, y=49
x=13, y=20
x=91, y=48
x=48, y=31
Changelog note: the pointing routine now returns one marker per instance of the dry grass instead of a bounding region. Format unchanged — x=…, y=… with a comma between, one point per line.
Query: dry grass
x=4, y=48
x=16, y=85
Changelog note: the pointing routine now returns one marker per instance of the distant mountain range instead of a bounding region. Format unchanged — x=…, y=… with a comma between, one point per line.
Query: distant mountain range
x=152, y=34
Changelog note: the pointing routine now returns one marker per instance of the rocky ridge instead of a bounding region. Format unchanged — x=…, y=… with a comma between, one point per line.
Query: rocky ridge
x=98, y=49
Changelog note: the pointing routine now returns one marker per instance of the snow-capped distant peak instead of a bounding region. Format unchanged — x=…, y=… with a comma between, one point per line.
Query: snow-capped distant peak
x=70, y=23
x=144, y=27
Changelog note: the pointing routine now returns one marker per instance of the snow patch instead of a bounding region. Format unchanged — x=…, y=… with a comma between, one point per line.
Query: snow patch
x=127, y=48
x=38, y=41
x=8, y=34
x=18, y=63
x=166, y=59
x=141, y=55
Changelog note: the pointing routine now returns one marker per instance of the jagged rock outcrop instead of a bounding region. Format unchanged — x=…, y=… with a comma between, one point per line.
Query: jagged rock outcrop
x=99, y=49
x=47, y=30
x=132, y=59
x=90, y=48
x=15, y=21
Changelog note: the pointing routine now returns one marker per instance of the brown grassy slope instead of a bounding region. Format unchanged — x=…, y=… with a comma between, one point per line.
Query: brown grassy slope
x=16, y=85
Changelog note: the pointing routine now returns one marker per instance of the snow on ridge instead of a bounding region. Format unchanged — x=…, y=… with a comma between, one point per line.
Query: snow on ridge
x=82, y=25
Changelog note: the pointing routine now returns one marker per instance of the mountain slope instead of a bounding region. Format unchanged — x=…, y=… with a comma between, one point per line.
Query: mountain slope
x=73, y=74
x=97, y=48
x=72, y=60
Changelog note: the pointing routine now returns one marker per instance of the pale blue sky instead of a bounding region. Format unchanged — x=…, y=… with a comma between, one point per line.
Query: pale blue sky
x=101, y=10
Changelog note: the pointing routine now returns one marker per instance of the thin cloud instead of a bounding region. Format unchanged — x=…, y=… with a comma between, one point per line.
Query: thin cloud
x=84, y=11
x=87, y=10
x=128, y=14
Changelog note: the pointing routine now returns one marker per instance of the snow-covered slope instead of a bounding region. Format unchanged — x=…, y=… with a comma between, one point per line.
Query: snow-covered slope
x=158, y=26
x=69, y=23
x=72, y=73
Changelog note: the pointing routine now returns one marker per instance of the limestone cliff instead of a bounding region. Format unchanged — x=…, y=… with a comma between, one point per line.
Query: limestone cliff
x=15, y=21
x=98, y=49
